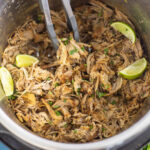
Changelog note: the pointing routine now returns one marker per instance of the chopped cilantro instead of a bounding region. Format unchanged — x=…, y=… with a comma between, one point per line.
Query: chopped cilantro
x=50, y=103
x=106, y=51
x=50, y=93
x=100, y=13
x=83, y=48
x=39, y=18
x=50, y=122
x=12, y=97
x=58, y=113
x=75, y=131
x=78, y=91
x=56, y=84
x=91, y=127
x=48, y=79
x=110, y=22
x=65, y=100
x=103, y=129
x=72, y=81
x=117, y=54
x=67, y=82
x=142, y=94
x=73, y=51
x=113, y=102
x=85, y=65
x=14, y=65
x=102, y=85
x=92, y=80
x=56, y=106
x=69, y=38
x=92, y=95
x=107, y=86
x=104, y=110
x=16, y=92
x=112, y=62
x=65, y=125
x=100, y=94
x=66, y=42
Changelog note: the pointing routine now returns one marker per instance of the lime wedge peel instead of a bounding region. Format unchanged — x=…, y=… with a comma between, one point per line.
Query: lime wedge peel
x=125, y=29
x=7, y=81
x=25, y=60
x=134, y=70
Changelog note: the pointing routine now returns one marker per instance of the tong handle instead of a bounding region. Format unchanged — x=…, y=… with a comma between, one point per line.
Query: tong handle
x=71, y=20
x=44, y=5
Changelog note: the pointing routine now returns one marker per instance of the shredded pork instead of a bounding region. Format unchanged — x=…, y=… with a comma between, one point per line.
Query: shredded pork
x=75, y=94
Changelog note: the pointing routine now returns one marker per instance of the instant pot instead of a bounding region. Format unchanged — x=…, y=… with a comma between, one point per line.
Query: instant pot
x=13, y=13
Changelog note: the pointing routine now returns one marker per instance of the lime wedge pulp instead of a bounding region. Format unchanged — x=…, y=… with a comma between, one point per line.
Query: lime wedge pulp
x=134, y=70
x=25, y=60
x=7, y=82
x=125, y=29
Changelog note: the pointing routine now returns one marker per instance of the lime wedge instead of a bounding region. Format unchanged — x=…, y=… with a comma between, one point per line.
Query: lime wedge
x=134, y=70
x=7, y=81
x=25, y=60
x=125, y=29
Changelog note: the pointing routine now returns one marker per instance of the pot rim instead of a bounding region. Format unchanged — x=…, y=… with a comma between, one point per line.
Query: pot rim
x=43, y=143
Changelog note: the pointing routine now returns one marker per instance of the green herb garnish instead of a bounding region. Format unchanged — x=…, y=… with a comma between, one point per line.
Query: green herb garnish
x=14, y=65
x=91, y=127
x=56, y=106
x=50, y=103
x=103, y=129
x=100, y=13
x=106, y=51
x=142, y=94
x=66, y=42
x=83, y=48
x=48, y=79
x=50, y=93
x=73, y=51
x=102, y=85
x=12, y=97
x=104, y=110
x=92, y=95
x=75, y=131
x=58, y=113
x=65, y=100
x=78, y=91
x=85, y=65
x=39, y=18
x=100, y=94
x=50, y=122
x=117, y=54
x=69, y=38
x=107, y=86
x=56, y=84
x=72, y=81
x=112, y=62
x=65, y=125
x=113, y=102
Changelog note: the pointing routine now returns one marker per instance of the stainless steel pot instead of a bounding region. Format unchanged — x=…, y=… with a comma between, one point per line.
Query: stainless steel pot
x=14, y=12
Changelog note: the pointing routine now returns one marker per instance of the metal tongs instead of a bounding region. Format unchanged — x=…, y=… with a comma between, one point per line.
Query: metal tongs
x=71, y=21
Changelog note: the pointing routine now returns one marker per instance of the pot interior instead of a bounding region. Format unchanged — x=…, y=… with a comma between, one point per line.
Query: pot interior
x=13, y=13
